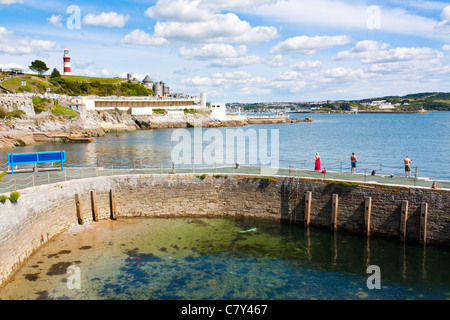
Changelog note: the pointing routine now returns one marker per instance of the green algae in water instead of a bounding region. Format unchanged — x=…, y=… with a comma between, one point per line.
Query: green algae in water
x=211, y=258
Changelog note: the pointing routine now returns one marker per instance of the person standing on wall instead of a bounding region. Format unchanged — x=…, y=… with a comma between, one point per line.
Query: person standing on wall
x=407, y=162
x=317, y=159
x=353, y=160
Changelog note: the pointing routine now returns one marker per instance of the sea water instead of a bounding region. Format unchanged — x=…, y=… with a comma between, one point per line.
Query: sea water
x=380, y=141
x=220, y=258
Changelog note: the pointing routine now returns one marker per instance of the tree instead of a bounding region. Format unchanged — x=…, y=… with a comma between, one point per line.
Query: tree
x=39, y=66
x=55, y=74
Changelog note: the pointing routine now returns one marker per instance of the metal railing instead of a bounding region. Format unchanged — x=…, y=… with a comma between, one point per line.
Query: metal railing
x=28, y=177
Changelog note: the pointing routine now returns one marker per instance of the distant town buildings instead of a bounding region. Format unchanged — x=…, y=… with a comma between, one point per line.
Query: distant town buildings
x=380, y=104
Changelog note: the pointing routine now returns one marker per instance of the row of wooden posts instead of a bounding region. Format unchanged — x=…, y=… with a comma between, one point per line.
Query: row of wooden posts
x=367, y=214
x=307, y=218
x=112, y=203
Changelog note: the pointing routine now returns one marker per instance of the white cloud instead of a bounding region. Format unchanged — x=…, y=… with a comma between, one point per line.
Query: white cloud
x=6, y=2
x=12, y=44
x=370, y=52
x=224, y=28
x=204, y=81
x=55, y=20
x=138, y=36
x=444, y=25
x=446, y=47
x=346, y=15
x=88, y=72
x=236, y=75
x=179, y=10
x=12, y=65
x=220, y=55
x=289, y=76
x=104, y=72
x=5, y=33
x=277, y=62
x=235, y=62
x=419, y=64
x=306, y=65
x=106, y=19
x=309, y=45
x=202, y=21
x=214, y=51
x=198, y=10
x=346, y=73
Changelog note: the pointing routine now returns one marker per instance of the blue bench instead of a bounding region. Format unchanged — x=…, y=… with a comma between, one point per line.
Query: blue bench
x=37, y=157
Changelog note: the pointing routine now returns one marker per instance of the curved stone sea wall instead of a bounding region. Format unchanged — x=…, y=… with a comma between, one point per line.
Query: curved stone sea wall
x=43, y=212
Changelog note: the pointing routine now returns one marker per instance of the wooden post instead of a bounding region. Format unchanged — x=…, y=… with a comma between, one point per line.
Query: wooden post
x=94, y=206
x=78, y=206
x=308, y=199
x=403, y=219
x=334, y=212
x=423, y=222
x=367, y=213
x=112, y=202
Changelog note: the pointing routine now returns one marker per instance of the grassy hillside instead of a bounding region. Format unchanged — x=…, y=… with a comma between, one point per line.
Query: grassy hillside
x=77, y=85
x=90, y=79
x=439, y=101
x=33, y=84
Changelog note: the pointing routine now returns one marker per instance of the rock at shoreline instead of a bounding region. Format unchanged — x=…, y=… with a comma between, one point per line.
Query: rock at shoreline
x=302, y=120
x=47, y=127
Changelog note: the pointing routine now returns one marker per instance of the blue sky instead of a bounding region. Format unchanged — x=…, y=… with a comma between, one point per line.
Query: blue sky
x=241, y=50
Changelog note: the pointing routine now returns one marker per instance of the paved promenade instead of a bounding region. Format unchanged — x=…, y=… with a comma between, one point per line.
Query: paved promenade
x=24, y=178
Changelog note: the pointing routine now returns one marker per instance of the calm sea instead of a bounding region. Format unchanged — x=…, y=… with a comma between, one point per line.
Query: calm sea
x=380, y=141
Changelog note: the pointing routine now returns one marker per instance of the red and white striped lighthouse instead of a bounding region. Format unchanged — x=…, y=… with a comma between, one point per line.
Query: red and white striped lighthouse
x=67, y=70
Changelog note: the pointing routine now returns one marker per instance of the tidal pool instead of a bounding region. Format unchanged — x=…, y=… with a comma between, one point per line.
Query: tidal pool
x=220, y=258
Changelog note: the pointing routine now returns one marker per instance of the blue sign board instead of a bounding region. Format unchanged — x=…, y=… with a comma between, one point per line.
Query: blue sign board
x=37, y=157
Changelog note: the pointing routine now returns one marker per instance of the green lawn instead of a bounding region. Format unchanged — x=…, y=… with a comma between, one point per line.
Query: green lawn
x=91, y=79
x=35, y=83
x=40, y=84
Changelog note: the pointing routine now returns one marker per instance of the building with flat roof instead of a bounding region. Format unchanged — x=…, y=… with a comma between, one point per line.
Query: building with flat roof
x=141, y=105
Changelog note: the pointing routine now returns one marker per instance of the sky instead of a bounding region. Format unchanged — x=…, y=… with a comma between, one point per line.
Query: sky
x=240, y=50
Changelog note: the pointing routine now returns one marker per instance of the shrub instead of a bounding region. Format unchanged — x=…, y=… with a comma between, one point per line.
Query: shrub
x=2, y=175
x=13, y=196
x=3, y=198
x=16, y=113
x=159, y=111
x=343, y=184
x=191, y=111
x=267, y=179
x=38, y=104
x=202, y=177
x=24, y=89
x=3, y=112
x=58, y=109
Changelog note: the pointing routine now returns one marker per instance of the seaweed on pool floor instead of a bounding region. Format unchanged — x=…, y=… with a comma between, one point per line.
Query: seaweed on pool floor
x=56, y=255
x=59, y=268
x=42, y=295
x=32, y=276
